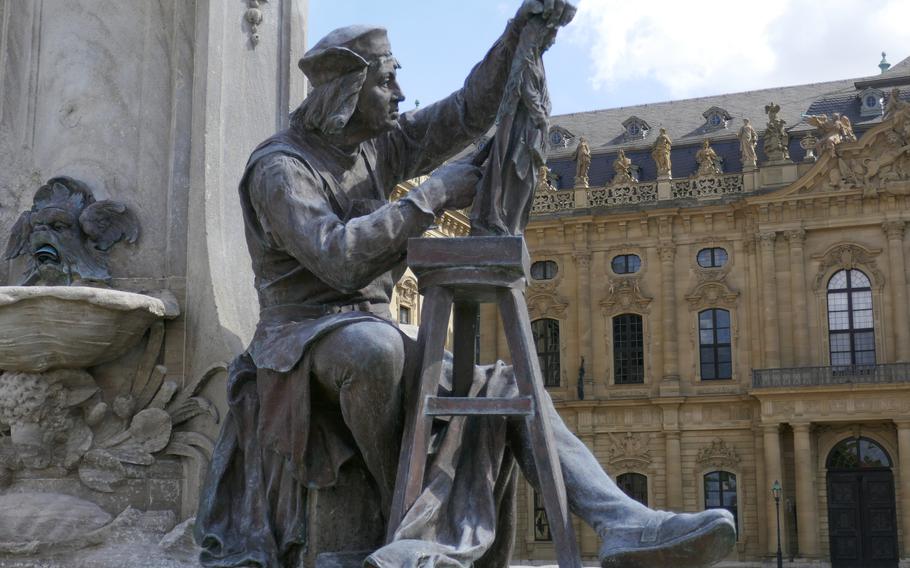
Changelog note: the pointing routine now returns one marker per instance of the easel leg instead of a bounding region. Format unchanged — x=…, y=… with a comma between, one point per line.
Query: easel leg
x=412, y=461
x=530, y=383
x=463, y=347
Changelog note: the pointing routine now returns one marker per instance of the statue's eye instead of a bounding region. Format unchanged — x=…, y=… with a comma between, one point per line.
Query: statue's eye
x=60, y=226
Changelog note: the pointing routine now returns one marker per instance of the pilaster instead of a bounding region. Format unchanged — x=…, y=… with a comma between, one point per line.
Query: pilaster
x=894, y=230
x=806, y=497
x=802, y=356
x=773, y=472
x=667, y=254
x=769, y=305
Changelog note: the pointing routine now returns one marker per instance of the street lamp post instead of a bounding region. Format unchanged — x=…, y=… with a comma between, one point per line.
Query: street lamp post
x=776, y=491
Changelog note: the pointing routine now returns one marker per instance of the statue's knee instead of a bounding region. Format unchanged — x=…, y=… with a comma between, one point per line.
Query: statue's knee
x=366, y=351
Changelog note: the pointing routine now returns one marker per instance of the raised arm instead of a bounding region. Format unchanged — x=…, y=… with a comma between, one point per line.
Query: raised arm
x=295, y=216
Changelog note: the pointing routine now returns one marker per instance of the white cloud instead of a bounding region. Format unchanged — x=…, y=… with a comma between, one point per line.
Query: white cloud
x=702, y=47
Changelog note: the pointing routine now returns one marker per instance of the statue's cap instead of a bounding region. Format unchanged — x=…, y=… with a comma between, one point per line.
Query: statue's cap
x=343, y=51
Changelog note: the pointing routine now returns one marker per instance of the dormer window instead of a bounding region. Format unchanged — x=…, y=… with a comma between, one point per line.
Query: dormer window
x=560, y=137
x=871, y=102
x=716, y=118
x=636, y=128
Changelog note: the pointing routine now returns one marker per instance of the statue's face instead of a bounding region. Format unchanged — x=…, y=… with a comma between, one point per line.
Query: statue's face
x=54, y=231
x=377, y=106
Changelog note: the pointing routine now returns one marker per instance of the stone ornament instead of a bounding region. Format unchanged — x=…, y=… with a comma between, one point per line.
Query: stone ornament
x=848, y=256
x=660, y=152
x=830, y=132
x=718, y=454
x=707, y=160
x=748, y=139
x=253, y=17
x=582, y=163
x=624, y=294
x=622, y=167
x=629, y=451
x=776, y=138
x=67, y=235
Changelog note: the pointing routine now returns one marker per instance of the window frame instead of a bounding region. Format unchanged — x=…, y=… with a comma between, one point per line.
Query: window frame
x=734, y=510
x=628, y=352
x=638, y=477
x=549, y=360
x=716, y=346
x=851, y=331
x=625, y=259
x=547, y=264
x=713, y=263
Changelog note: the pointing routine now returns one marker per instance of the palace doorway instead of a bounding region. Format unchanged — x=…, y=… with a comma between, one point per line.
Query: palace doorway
x=862, y=521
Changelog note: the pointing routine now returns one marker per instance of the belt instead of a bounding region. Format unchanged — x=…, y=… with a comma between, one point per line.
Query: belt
x=286, y=312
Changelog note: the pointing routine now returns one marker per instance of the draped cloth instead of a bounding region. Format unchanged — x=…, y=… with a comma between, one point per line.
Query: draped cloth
x=518, y=150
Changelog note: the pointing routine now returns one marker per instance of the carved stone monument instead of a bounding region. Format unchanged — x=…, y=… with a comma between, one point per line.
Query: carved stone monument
x=622, y=168
x=776, y=138
x=582, y=163
x=748, y=139
x=660, y=152
x=707, y=160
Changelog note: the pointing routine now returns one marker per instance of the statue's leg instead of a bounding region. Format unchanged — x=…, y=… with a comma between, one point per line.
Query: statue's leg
x=359, y=367
x=633, y=535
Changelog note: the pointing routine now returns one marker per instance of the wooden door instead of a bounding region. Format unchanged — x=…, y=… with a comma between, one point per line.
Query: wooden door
x=861, y=519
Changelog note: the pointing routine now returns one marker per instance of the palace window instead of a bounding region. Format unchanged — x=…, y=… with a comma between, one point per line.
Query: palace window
x=635, y=128
x=714, y=344
x=404, y=315
x=625, y=264
x=541, y=522
x=714, y=257
x=628, y=350
x=635, y=485
x=720, y=492
x=855, y=453
x=716, y=118
x=851, y=333
x=544, y=270
x=546, y=340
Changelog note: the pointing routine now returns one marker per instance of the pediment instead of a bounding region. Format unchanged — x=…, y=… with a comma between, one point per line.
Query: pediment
x=877, y=163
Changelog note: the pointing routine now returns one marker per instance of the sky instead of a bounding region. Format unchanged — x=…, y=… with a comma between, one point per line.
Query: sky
x=623, y=53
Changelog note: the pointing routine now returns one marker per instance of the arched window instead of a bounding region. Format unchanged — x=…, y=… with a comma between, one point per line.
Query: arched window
x=857, y=453
x=720, y=492
x=541, y=522
x=546, y=341
x=635, y=485
x=851, y=333
x=714, y=344
x=628, y=350
x=544, y=270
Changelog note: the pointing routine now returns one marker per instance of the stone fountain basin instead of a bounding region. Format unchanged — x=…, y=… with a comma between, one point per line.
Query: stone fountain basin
x=43, y=328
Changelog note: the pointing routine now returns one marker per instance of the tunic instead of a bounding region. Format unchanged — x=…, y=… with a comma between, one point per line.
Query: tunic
x=327, y=248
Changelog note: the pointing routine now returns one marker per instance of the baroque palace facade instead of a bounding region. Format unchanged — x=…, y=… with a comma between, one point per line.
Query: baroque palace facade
x=718, y=308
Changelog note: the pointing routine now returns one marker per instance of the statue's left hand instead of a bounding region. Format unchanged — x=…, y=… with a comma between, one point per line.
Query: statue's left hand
x=556, y=13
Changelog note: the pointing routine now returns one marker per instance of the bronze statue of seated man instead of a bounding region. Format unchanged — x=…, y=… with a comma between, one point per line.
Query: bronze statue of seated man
x=321, y=382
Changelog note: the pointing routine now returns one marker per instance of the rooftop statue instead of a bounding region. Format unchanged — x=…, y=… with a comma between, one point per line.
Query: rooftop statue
x=776, y=138
x=582, y=163
x=831, y=131
x=321, y=383
x=747, y=142
x=622, y=167
x=707, y=159
x=660, y=152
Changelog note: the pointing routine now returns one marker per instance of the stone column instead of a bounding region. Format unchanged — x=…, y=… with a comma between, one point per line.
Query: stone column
x=583, y=307
x=588, y=538
x=895, y=232
x=903, y=449
x=773, y=473
x=668, y=311
x=769, y=289
x=806, y=498
x=800, y=301
x=674, y=471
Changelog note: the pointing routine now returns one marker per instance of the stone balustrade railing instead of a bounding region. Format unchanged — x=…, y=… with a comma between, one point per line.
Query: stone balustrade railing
x=707, y=186
x=622, y=194
x=552, y=201
x=828, y=376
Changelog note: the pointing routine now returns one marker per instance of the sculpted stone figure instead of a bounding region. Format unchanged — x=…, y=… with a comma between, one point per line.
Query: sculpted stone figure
x=582, y=163
x=543, y=179
x=660, y=152
x=321, y=384
x=776, y=138
x=707, y=159
x=747, y=142
x=67, y=235
x=622, y=167
x=830, y=131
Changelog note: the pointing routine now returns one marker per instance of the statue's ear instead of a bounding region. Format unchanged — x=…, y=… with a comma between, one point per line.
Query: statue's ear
x=108, y=222
x=18, y=239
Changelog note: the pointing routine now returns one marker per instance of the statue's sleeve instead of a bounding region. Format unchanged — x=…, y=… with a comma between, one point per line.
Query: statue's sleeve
x=427, y=137
x=294, y=211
